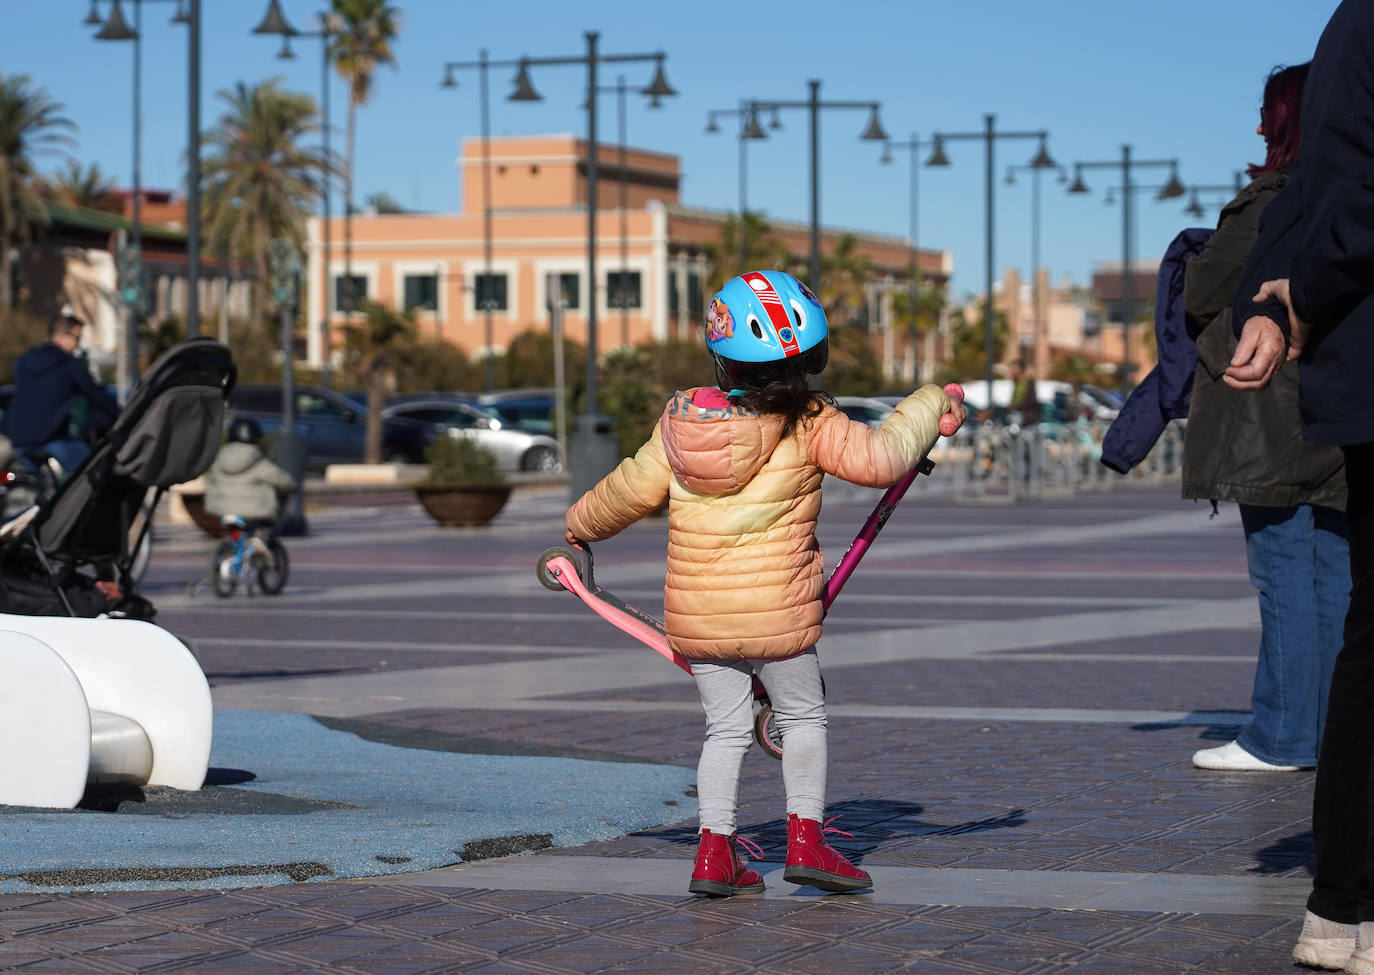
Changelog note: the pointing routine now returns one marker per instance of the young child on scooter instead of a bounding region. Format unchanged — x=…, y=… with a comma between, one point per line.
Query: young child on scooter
x=740, y=464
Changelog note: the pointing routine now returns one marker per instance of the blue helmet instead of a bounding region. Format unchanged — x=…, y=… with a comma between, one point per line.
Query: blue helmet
x=764, y=316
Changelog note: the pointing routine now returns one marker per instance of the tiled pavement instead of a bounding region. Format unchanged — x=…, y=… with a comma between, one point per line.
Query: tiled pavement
x=1015, y=691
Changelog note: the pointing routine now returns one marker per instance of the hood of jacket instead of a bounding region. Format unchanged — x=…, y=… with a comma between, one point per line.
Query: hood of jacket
x=716, y=449
x=236, y=458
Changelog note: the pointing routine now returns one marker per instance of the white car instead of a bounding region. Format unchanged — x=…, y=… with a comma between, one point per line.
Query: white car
x=515, y=449
x=865, y=409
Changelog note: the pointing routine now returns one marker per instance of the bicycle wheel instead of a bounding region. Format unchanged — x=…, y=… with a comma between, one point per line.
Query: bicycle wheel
x=222, y=575
x=274, y=568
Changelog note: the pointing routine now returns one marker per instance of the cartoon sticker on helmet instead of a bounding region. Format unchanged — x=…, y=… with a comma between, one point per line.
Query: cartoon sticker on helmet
x=807, y=291
x=719, y=323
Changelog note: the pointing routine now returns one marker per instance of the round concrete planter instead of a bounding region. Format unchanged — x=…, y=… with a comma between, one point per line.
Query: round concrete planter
x=454, y=507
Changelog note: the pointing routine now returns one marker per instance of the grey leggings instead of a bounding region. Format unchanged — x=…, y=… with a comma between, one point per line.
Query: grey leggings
x=726, y=688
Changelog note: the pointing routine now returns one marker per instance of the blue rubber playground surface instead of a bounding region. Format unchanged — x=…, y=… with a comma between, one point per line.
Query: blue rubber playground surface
x=290, y=799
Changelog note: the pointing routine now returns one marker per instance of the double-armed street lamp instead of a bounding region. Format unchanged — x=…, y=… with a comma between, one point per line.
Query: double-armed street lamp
x=873, y=132
x=989, y=137
x=274, y=22
x=1036, y=297
x=594, y=450
x=1171, y=190
x=1194, y=207
x=912, y=146
x=749, y=128
x=116, y=28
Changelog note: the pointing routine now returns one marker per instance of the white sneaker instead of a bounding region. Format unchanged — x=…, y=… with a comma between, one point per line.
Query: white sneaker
x=1232, y=758
x=1324, y=944
x=1362, y=961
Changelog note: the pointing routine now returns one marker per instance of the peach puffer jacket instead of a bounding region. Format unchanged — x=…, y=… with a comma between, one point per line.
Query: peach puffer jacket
x=745, y=572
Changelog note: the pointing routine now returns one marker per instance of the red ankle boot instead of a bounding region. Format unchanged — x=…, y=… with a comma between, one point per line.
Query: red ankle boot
x=810, y=860
x=718, y=871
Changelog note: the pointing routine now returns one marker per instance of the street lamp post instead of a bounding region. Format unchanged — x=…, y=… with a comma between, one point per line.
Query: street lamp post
x=989, y=137
x=912, y=146
x=275, y=22
x=594, y=449
x=1194, y=207
x=1171, y=190
x=748, y=129
x=813, y=104
x=1036, y=296
x=487, y=301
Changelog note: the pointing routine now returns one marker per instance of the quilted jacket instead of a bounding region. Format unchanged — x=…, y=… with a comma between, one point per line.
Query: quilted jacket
x=745, y=572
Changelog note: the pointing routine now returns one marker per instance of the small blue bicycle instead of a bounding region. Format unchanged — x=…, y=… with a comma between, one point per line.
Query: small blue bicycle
x=247, y=557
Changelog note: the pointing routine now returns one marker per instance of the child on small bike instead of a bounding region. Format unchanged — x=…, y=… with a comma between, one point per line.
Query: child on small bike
x=243, y=480
x=741, y=465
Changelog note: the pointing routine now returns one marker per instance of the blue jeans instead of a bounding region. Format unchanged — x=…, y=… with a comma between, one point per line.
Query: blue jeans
x=1300, y=562
x=68, y=453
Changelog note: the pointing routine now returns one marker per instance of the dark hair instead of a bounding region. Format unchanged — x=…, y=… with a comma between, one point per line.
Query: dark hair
x=779, y=387
x=245, y=430
x=64, y=323
x=1281, y=118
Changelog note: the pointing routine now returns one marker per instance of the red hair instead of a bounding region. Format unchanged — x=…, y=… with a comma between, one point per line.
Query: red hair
x=1281, y=118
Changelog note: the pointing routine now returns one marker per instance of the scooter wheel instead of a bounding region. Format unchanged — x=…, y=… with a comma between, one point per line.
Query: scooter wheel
x=767, y=733
x=547, y=579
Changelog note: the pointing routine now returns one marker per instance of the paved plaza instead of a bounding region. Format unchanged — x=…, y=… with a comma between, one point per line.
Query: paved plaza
x=1014, y=689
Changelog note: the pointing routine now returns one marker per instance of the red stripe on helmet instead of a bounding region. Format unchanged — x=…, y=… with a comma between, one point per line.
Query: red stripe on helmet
x=777, y=311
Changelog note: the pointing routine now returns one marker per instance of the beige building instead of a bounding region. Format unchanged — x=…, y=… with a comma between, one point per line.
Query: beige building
x=654, y=265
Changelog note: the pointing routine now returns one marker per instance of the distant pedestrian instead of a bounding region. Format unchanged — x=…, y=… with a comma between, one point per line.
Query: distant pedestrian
x=56, y=402
x=740, y=465
x=1308, y=293
x=1248, y=448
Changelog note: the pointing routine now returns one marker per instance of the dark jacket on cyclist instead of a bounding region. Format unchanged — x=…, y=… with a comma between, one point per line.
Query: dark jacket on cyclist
x=243, y=481
x=48, y=382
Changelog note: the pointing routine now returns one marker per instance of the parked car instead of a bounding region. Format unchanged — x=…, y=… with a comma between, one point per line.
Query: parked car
x=865, y=409
x=531, y=408
x=516, y=449
x=332, y=427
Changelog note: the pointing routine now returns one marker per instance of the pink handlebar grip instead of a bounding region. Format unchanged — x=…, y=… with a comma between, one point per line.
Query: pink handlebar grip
x=948, y=424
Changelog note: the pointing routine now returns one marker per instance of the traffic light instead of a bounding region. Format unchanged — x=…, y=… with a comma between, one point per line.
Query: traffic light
x=129, y=266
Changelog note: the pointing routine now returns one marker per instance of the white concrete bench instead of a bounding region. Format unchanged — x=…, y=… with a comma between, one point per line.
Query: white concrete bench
x=97, y=702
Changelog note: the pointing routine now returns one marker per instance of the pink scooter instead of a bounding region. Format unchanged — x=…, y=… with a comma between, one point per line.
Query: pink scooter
x=563, y=569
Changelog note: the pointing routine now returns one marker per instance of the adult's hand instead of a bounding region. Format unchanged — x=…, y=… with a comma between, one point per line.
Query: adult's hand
x=1259, y=353
x=1298, y=329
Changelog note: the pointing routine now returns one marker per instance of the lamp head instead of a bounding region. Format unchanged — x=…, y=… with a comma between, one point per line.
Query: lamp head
x=712, y=126
x=524, y=91
x=659, y=87
x=937, y=153
x=874, y=132
x=1078, y=186
x=275, y=22
x=180, y=16
x=886, y=157
x=92, y=18
x=116, y=27
x=1173, y=189
x=775, y=122
x=1042, y=159
x=449, y=81
x=286, y=54
x=1011, y=176
x=751, y=129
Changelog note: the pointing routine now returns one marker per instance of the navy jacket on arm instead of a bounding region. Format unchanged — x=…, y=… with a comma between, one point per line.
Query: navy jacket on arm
x=1163, y=394
x=1319, y=233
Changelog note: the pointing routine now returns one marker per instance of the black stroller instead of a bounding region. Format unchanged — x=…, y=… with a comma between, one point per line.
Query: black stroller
x=167, y=433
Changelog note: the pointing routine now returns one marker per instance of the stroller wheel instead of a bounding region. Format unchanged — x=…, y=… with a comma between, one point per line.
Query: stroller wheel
x=222, y=577
x=767, y=733
x=546, y=577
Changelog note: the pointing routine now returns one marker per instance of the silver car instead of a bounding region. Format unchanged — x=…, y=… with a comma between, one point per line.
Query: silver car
x=515, y=449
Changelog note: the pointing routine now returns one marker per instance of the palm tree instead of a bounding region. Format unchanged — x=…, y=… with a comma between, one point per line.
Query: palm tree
x=845, y=275
x=30, y=125
x=260, y=181
x=375, y=346
x=762, y=250
x=360, y=36
x=84, y=187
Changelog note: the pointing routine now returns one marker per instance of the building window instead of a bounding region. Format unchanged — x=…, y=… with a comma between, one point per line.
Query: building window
x=672, y=293
x=696, y=303
x=489, y=291
x=622, y=289
x=422, y=291
x=359, y=291
x=571, y=287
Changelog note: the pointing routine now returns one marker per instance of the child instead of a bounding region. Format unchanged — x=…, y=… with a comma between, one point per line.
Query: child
x=741, y=467
x=243, y=481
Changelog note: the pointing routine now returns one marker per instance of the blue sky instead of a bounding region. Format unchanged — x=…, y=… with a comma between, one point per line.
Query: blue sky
x=1174, y=78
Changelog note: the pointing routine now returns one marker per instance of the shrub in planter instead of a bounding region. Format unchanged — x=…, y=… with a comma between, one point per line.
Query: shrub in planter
x=464, y=485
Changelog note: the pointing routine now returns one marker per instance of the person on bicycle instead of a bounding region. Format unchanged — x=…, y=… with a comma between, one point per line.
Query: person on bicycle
x=243, y=480
x=50, y=383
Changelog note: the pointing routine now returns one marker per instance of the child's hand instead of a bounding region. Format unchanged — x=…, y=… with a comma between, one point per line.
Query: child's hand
x=953, y=418
x=572, y=539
